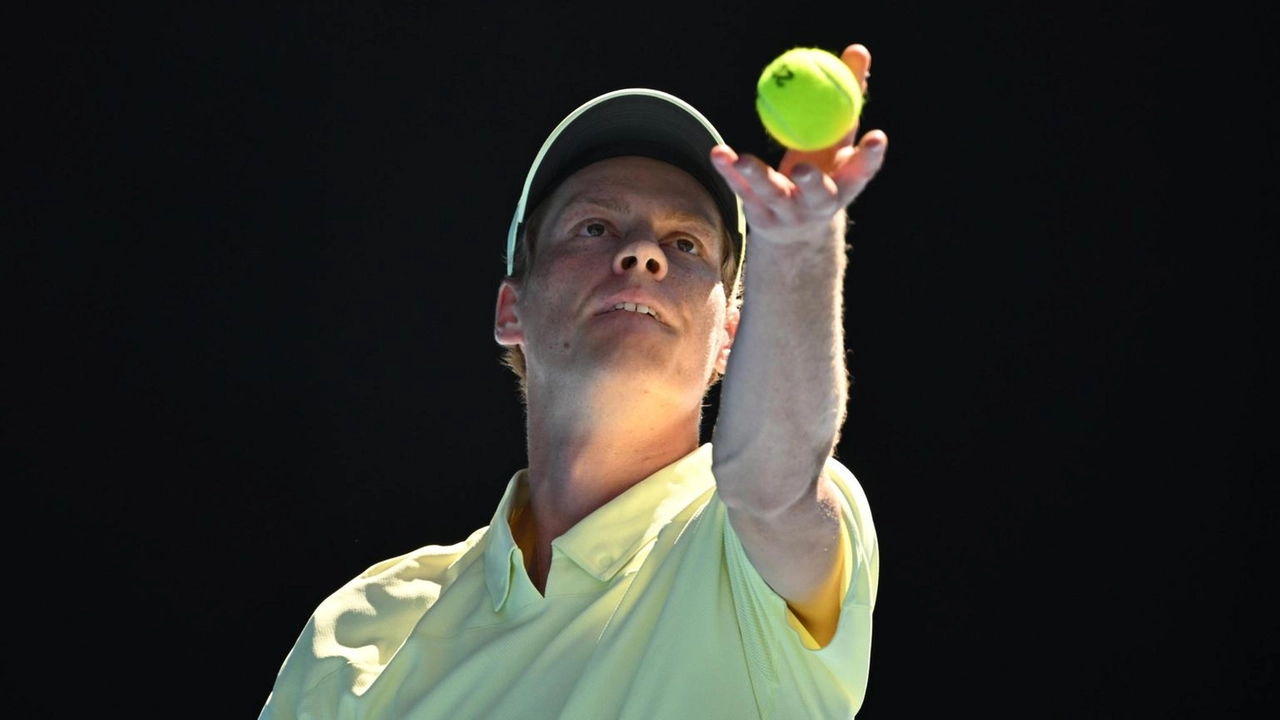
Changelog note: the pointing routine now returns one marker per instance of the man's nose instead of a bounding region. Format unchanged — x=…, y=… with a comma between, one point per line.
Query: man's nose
x=643, y=254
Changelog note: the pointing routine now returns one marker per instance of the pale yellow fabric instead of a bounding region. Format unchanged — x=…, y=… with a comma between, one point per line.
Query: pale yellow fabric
x=652, y=610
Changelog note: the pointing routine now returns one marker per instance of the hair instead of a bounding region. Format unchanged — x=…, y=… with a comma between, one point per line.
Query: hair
x=525, y=254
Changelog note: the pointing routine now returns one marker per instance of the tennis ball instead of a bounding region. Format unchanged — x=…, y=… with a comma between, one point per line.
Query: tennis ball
x=808, y=99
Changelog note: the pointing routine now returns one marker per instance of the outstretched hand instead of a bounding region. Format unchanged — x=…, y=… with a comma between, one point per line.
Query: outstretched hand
x=809, y=187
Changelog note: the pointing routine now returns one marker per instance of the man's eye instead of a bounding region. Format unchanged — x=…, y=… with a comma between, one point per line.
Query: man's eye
x=686, y=245
x=594, y=229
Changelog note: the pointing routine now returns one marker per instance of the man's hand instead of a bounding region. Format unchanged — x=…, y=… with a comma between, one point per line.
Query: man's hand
x=809, y=187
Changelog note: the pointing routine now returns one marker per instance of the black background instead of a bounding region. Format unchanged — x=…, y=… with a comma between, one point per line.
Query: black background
x=256, y=254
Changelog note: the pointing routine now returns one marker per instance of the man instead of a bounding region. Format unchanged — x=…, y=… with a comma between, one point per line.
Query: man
x=630, y=572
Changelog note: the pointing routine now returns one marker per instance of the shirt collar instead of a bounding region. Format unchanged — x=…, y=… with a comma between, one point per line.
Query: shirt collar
x=604, y=541
x=501, y=556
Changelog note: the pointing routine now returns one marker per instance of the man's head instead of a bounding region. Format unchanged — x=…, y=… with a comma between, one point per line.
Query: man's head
x=628, y=124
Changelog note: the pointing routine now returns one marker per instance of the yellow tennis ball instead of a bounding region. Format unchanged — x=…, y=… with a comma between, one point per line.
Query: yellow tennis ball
x=808, y=99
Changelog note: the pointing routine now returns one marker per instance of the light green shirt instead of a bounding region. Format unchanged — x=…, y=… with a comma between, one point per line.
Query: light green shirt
x=652, y=611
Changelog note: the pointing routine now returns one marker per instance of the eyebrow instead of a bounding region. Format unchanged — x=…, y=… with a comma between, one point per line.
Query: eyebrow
x=608, y=202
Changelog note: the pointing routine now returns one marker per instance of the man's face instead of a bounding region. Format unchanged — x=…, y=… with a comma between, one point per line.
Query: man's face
x=617, y=237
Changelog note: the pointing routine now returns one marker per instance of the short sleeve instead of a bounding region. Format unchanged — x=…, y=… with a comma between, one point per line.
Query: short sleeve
x=819, y=682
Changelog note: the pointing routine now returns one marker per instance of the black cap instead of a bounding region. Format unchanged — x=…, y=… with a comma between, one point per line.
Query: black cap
x=632, y=121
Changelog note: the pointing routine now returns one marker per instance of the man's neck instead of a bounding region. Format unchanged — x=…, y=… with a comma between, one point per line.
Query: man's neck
x=578, y=465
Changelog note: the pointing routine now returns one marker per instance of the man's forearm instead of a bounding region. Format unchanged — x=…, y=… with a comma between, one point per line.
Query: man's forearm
x=783, y=399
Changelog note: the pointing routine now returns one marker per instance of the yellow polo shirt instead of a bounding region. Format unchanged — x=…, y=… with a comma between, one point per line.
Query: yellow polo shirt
x=652, y=612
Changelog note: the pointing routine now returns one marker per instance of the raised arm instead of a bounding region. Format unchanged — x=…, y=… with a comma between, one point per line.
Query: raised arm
x=783, y=397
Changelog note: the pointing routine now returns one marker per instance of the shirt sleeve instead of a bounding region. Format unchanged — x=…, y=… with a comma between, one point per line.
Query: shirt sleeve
x=818, y=681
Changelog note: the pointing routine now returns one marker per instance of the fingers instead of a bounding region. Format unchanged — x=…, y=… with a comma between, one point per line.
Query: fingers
x=750, y=177
x=849, y=168
x=863, y=163
x=858, y=58
x=770, y=196
x=772, y=199
x=816, y=192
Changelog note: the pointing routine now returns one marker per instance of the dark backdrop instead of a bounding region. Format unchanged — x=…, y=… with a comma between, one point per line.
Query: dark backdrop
x=257, y=249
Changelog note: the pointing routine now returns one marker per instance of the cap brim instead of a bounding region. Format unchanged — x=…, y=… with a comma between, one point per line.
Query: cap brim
x=632, y=121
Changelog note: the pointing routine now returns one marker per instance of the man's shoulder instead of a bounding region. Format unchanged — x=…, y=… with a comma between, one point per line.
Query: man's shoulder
x=429, y=562
x=398, y=588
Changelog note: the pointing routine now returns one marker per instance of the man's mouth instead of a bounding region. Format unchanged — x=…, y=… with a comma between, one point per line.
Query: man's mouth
x=637, y=308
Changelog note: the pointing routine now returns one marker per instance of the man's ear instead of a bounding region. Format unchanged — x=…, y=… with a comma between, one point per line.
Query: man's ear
x=506, y=322
x=731, y=318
